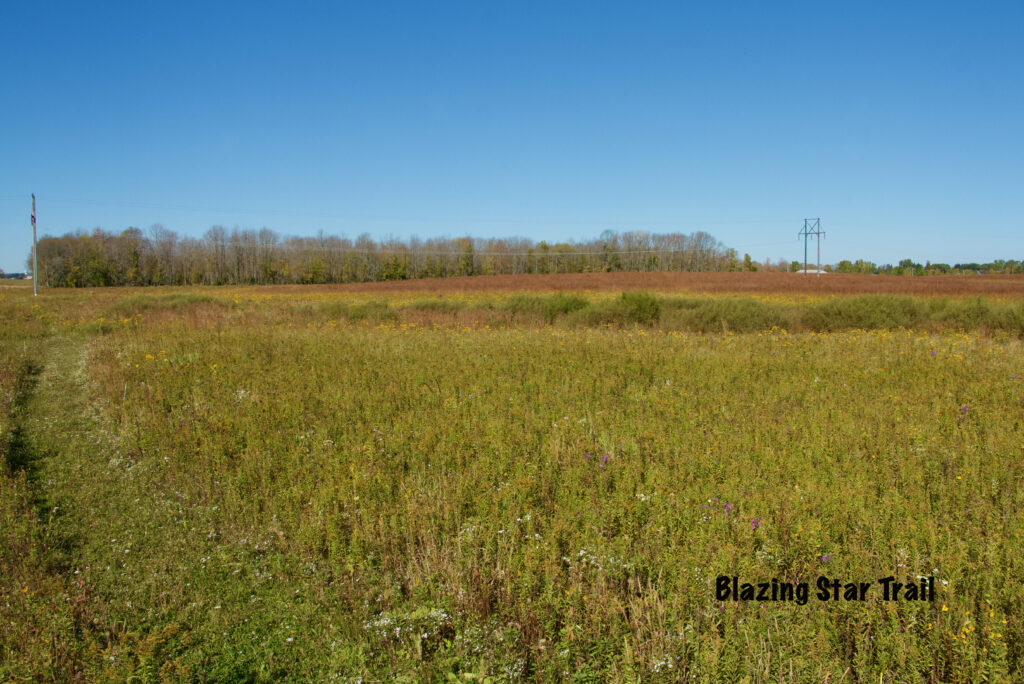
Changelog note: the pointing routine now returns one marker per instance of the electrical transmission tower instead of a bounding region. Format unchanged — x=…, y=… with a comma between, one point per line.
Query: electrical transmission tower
x=811, y=227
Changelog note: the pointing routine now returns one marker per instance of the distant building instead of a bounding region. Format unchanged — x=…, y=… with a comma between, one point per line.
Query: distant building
x=812, y=271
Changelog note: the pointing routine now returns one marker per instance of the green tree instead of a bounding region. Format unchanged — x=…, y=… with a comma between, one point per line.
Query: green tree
x=732, y=263
x=466, y=260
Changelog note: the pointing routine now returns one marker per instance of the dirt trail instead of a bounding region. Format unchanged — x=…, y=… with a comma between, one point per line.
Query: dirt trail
x=52, y=614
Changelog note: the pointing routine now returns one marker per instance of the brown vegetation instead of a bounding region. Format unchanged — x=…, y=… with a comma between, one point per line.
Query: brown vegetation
x=698, y=283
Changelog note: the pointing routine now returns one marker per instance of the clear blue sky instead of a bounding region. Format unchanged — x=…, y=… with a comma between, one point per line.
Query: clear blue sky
x=900, y=124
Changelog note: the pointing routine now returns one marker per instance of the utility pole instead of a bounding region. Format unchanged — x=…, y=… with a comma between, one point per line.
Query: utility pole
x=811, y=227
x=35, y=259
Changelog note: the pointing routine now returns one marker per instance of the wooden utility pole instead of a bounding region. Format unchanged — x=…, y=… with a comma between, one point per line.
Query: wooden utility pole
x=35, y=260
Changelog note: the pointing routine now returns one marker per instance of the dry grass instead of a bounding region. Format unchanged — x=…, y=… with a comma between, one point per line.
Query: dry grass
x=709, y=283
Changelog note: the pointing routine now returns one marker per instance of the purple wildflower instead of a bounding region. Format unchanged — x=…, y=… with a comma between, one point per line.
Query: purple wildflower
x=728, y=507
x=826, y=558
x=588, y=455
x=755, y=523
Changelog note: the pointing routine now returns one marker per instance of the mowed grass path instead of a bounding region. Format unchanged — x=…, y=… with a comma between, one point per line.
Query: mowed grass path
x=235, y=494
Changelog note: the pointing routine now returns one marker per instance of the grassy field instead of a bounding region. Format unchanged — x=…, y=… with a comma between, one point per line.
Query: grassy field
x=494, y=484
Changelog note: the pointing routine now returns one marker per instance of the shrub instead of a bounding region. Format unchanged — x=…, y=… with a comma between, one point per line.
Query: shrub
x=373, y=311
x=866, y=312
x=967, y=314
x=737, y=315
x=1008, y=317
x=549, y=307
x=640, y=307
x=631, y=308
x=442, y=305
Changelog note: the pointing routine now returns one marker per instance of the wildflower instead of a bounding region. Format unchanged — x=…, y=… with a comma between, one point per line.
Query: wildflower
x=588, y=455
x=728, y=507
x=755, y=523
x=825, y=558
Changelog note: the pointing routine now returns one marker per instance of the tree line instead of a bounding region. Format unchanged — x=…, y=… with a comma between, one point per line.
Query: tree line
x=236, y=257
x=911, y=267
x=222, y=257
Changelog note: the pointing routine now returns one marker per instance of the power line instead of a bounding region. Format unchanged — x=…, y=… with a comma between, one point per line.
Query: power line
x=400, y=219
x=455, y=252
x=415, y=252
x=310, y=246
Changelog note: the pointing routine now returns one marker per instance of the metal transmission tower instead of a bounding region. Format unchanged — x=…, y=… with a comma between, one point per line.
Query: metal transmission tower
x=811, y=227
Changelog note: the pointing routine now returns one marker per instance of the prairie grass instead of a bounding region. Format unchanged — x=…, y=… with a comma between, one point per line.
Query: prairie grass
x=301, y=489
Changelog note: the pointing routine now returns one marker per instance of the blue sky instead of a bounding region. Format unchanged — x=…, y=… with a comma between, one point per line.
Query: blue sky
x=899, y=124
